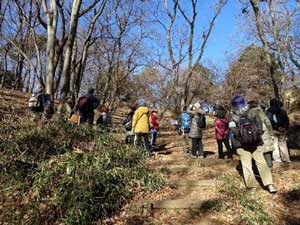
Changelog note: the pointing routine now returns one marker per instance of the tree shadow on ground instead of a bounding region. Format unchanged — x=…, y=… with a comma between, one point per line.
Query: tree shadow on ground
x=293, y=136
x=291, y=200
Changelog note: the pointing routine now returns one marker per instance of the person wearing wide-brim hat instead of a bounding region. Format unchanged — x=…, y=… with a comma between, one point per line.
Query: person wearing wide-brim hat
x=196, y=131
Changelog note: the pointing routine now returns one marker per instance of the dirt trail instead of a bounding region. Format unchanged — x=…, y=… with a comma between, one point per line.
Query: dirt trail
x=193, y=192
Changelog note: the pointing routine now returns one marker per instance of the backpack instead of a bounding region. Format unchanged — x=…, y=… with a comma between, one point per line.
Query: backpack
x=201, y=123
x=249, y=134
x=185, y=121
x=279, y=120
x=84, y=103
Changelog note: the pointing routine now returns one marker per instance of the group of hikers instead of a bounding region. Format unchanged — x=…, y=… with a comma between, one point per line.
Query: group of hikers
x=78, y=112
x=254, y=132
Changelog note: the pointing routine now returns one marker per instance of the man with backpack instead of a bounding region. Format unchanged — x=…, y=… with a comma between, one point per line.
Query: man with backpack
x=41, y=104
x=247, y=128
x=197, y=124
x=86, y=105
x=280, y=123
x=185, y=123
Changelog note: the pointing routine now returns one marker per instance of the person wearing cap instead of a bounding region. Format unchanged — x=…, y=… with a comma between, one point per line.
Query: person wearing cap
x=154, y=125
x=86, y=105
x=240, y=111
x=196, y=132
x=140, y=126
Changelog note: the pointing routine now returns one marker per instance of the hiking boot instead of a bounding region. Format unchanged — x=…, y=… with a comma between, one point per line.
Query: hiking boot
x=201, y=157
x=194, y=156
x=272, y=188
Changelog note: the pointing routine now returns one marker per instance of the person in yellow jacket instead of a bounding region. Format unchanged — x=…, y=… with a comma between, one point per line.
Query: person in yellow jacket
x=140, y=126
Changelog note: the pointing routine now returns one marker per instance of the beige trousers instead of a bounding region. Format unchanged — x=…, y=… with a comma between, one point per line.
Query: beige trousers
x=263, y=169
x=281, y=152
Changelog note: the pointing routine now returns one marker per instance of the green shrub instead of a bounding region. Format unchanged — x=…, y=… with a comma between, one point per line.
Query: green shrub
x=59, y=173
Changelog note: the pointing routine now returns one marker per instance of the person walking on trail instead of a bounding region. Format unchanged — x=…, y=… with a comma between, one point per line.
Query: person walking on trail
x=268, y=134
x=140, y=126
x=127, y=124
x=197, y=124
x=222, y=132
x=247, y=128
x=40, y=104
x=65, y=108
x=185, y=123
x=280, y=123
x=86, y=105
x=154, y=125
x=104, y=119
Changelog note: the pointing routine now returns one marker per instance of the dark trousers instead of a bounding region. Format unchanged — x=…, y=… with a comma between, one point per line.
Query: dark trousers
x=220, y=148
x=197, y=147
x=86, y=117
x=142, y=140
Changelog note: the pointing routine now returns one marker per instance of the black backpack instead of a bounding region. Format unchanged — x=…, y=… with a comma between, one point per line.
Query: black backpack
x=249, y=134
x=280, y=120
x=201, y=122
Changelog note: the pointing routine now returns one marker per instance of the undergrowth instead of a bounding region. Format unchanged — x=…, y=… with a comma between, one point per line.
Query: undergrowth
x=56, y=173
x=253, y=212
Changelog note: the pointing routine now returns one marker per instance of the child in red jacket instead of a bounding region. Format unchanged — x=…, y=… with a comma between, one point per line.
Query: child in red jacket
x=154, y=127
x=222, y=133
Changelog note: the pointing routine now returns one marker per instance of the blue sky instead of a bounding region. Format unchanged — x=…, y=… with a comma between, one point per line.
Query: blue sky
x=225, y=36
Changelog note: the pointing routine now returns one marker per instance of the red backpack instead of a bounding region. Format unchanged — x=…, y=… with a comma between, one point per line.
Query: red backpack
x=83, y=103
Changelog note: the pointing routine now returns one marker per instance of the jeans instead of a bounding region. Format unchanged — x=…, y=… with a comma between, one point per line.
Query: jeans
x=197, y=147
x=153, y=136
x=220, y=148
x=141, y=139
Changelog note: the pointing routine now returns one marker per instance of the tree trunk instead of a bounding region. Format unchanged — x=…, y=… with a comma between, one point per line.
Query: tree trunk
x=262, y=37
x=70, y=43
x=51, y=36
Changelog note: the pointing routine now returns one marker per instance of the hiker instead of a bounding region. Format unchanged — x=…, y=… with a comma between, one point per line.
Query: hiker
x=222, y=132
x=104, y=119
x=268, y=133
x=197, y=124
x=185, y=124
x=154, y=127
x=140, y=126
x=86, y=105
x=247, y=128
x=127, y=124
x=40, y=104
x=65, y=108
x=280, y=123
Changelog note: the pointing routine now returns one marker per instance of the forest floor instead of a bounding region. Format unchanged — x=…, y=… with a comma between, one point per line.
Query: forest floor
x=211, y=190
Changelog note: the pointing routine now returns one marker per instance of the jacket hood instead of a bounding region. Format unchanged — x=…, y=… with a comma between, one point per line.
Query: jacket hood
x=143, y=109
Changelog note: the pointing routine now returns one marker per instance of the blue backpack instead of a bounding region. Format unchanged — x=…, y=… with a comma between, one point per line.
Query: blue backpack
x=185, y=119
